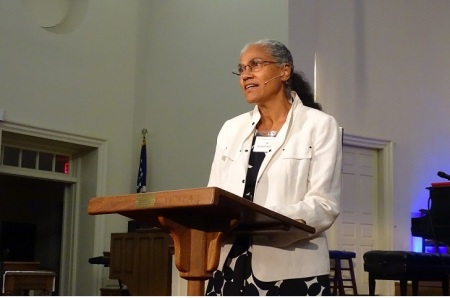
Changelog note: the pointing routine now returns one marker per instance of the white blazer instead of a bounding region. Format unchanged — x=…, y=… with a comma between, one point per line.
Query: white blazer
x=300, y=178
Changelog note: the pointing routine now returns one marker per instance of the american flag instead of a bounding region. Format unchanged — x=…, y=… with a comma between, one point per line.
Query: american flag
x=142, y=172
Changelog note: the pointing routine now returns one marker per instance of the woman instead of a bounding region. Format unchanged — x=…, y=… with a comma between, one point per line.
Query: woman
x=286, y=156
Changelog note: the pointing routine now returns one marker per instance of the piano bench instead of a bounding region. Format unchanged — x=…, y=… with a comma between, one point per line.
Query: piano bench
x=407, y=265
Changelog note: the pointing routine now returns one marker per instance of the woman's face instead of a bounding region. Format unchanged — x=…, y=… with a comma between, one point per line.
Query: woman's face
x=261, y=78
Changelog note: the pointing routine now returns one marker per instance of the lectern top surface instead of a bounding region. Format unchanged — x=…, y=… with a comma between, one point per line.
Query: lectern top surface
x=193, y=205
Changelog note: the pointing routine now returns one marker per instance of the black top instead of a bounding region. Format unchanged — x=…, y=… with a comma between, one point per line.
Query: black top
x=254, y=163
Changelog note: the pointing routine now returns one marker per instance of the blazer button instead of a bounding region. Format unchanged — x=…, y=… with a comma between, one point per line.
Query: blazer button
x=243, y=181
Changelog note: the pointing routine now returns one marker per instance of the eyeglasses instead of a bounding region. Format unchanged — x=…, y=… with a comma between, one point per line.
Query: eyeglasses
x=253, y=66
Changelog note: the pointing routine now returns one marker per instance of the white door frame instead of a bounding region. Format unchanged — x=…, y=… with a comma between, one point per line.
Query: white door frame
x=385, y=151
x=385, y=212
x=72, y=242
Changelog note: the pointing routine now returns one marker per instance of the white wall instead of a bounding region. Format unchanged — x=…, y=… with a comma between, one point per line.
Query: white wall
x=382, y=70
x=163, y=65
x=80, y=82
x=192, y=48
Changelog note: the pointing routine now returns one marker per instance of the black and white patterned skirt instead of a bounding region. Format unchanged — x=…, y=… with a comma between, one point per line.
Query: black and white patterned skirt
x=236, y=278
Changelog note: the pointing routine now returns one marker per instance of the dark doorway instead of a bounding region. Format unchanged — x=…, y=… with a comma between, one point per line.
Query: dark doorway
x=17, y=241
x=31, y=218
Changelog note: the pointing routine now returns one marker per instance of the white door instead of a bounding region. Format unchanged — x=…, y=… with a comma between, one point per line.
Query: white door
x=355, y=228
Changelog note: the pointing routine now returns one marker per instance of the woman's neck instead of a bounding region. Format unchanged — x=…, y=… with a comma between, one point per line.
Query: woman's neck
x=273, y=116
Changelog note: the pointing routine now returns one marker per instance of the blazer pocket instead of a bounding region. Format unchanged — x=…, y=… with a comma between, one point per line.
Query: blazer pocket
x=293, y=166
x=228, y=153
x=297, y=152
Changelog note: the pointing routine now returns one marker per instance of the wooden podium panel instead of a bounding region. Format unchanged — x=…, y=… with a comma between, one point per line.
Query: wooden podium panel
x=198, y=220
x=143, y=261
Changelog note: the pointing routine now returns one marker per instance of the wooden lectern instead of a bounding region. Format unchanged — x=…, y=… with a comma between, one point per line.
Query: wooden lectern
x=198, y=220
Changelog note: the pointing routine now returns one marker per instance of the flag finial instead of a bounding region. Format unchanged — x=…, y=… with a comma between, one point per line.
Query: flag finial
x=143, y=133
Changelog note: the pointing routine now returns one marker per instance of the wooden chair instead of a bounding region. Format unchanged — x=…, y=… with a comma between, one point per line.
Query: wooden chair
x=339, y=282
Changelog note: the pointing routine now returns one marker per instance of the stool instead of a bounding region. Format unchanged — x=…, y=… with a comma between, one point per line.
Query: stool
x=407, y=265
x=338, y=282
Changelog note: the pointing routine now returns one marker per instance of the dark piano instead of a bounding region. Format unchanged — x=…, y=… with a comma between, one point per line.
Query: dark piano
x=435, y=224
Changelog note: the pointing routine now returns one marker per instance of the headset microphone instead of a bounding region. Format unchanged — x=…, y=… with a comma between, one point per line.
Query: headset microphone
x=273, y=78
